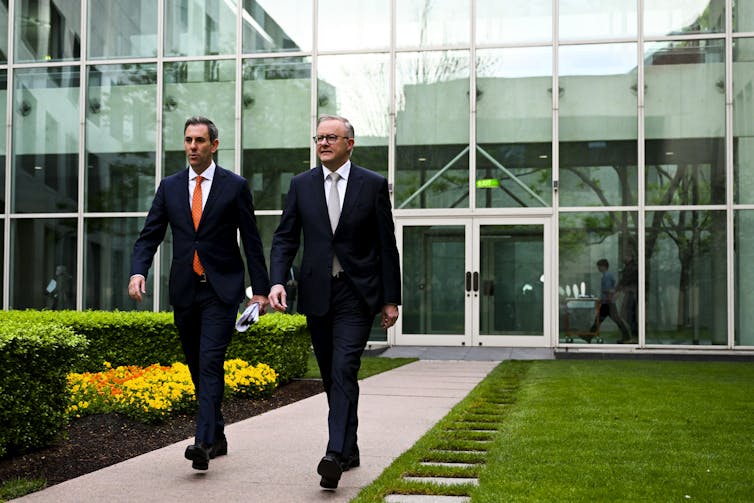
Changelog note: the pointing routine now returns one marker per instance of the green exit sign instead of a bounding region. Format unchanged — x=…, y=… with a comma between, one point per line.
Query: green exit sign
x=488, y=183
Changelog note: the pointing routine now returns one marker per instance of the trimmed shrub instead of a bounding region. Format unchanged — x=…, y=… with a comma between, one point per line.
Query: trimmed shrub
x=34, y=360
x=280, y=340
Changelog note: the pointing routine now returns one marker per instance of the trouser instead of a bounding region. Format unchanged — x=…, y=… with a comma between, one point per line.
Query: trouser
x=205, y=328
x=339, y=339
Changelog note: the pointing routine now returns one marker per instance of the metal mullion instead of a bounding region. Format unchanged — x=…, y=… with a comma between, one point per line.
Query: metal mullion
x=641, y=174
x=472, y=109
x=554, y=256
x=314, y=86
x=158, y=161
x=238, y=137
x=83, y=85
x=8, y=156
x=729, y=175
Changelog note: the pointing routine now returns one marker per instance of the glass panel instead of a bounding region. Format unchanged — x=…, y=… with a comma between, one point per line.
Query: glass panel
x=275, y=150
x=122, y=28
x=4, y=268
x=3, y=32
x=598, y=303
x=359, y=24
x=514, y=128
x=43, y=258
x=107, y=256
x=200, y=27
x=433, y=280
x=358, y=87
x=743, y=120
x=120, y=137
x=743, y=277
x=45, y=140
x=432, y=130
x=198, y=88
x=511, y=274
x=277, y=25
x=685, y=122
x=686, y=291
x=423, y=23
x=598, y=125
x=743, y=15
x=583, y=20
x=513, y=22
x=47, y=30
x=673, y=17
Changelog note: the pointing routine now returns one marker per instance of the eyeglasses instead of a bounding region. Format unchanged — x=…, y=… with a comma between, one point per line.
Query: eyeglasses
x=329, y=138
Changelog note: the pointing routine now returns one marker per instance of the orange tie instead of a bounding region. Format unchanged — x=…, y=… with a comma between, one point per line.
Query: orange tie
x=196, y=215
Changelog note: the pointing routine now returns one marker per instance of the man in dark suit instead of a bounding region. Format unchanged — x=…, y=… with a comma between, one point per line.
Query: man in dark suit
x=206, y=206
x=349, y=273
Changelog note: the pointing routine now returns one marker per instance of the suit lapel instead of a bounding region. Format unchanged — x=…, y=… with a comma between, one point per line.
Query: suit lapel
x=317, y=177
x=353, y=188
x=218, y=185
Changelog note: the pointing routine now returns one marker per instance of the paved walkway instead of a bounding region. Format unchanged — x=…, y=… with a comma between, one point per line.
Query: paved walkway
x=273, y=457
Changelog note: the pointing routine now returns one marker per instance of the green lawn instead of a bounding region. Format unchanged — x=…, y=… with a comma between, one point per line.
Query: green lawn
x=595, y=431
x=370, y=365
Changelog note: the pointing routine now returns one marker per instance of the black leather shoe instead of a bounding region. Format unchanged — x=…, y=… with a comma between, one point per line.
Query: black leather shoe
x=199, y=455
x=219, y=448
x=352, y=462
x=330, y=469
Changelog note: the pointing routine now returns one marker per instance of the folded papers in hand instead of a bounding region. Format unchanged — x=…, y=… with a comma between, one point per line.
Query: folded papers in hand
x=248, y=317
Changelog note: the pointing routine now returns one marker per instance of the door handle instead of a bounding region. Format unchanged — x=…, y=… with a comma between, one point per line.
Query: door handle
x=468, y=281
x=476, y=281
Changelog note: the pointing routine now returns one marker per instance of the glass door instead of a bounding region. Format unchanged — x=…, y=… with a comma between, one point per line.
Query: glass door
x=474, y=281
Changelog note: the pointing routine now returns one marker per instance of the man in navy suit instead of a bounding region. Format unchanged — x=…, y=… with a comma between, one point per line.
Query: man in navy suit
x=206, y=207
x=349, y=273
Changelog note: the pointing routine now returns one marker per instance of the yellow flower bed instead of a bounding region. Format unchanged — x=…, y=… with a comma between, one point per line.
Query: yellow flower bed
x=155, y=392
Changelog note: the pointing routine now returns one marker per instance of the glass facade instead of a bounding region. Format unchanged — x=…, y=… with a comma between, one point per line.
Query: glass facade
x=625, y=126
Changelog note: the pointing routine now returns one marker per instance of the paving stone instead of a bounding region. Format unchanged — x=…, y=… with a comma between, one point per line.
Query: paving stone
x=448, y=481
x=445, y=463
x=416, y=498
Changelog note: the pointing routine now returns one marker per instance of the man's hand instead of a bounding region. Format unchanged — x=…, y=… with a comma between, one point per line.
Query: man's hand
x=136, y=287
x=277, y=298
x=263, y=303
x=389, y=315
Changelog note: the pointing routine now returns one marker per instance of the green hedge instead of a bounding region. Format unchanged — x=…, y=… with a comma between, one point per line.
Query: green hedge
x=280, y=340
x=35, y=358
x=144, y=338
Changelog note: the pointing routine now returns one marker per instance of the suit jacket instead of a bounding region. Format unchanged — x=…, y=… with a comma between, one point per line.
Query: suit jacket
x=229, y=209
x=364, y=240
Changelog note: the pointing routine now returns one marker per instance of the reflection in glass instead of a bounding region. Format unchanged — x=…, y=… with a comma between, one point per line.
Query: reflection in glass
x=47, y=30
x=198, y=88
x=433, y=280
x=674, y=17
x=421, y=23
x=277, y=25
x=107, y=258
x=685, y=122
x=200, y=27
x=598, y=125
x=743, y=277
x=358, y=87
x=686, y=291
x=122, y=28
x=511, y=276
x=743, y=15
x=3, y=32
x=45, y=140
x=586, y=238
x=743, y=120
x=432, y=130
x=514, y=127
x=591, y=20
x=43, y=264
x=513, y=22
x=360, y=24
x=275, y=150
x=120, y=137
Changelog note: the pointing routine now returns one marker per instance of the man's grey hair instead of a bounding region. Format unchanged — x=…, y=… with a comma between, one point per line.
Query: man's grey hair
x=197, y=120
x=346, y=123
